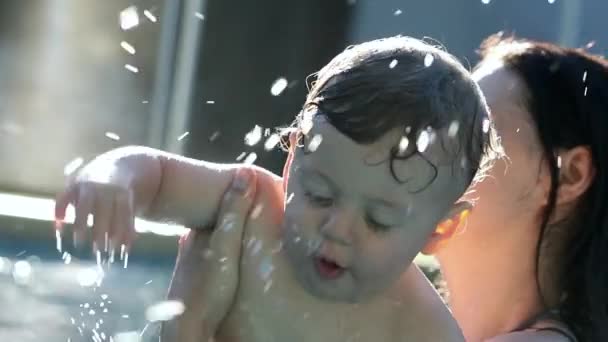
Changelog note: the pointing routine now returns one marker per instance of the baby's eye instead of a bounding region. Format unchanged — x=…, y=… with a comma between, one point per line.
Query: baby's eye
x=377, y=226
x=319, y=200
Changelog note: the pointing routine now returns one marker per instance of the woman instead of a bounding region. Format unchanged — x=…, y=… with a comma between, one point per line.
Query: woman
x=530, y=264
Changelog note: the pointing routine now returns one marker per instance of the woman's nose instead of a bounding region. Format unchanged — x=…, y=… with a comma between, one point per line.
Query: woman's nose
x=339, y=226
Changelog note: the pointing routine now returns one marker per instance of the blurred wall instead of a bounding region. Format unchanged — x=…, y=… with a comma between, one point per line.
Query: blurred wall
x=63, y=85
x=462, y=25
x=247, y=45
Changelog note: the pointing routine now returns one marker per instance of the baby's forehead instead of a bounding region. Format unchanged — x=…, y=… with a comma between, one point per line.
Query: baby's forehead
x=371, y=167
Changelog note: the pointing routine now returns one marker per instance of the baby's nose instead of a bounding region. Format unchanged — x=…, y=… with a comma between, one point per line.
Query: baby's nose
x=339, y=226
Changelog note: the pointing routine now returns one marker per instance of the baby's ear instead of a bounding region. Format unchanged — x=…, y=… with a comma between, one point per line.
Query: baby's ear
x=450, y=224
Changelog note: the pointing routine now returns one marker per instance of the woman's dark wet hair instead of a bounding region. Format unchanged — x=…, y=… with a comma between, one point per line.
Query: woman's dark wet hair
x=567, y=98
x=401, y=82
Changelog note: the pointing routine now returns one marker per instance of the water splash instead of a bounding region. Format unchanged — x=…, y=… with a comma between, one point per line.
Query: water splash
x=253, y=136
x=423, y=141
x=72, y=166
x=250, y=158
x=397, y=12
x=129, y=18
x=58, y=240
x=165, y=310
x=131, y=68
x=393, y=64
x=428, y=60
x=485, y=126
x=182, y=136
x=113, y=136
x=278, y=86
x=127, y=47
x=272, y=141
x=315, y=142
x=453, y=128
x=214, y=136
x=150, y=16
x=22, y=272
x=257, y=210
x=404, y=142
x=241, y=156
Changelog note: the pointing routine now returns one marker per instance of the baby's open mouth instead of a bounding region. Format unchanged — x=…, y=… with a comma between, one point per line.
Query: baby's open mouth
x=327, y=268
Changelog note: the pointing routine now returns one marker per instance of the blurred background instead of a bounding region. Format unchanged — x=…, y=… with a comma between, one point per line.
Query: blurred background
x=80, y=77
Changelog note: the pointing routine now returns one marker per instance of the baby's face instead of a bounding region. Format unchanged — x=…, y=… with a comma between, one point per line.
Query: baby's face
x=350, y=228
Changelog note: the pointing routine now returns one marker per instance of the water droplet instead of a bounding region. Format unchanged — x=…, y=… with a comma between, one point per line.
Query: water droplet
x=272, y=141
x=393, y=64
x=453, y=128
x=253, y=136
x=224, y=259
x=72, y=166
x=129, y=18
x=22, y=272
x=86, y=305
x=91, y=312
x=148, y=282
x=485, y=2
x=214, y=136
x=289, y=198
x=257, y=247
x=268, y=285
x=397, y=12
x=551, y=1
x=404, y=142
x=113, y=136
x=428, y=60
x=315, y=142
x=485, y=127
x=126, y=261
x=559, y=162
x=278, y=86
x=181, y=137
x=585, y=94
x=150, y=16
x=207, y=254
x=241, y=156
x=408, y=130
x=585, y=76
x=199, y=15
x=257, y=210
x=128, y=336
x=517, y=130
x=127, y=47
x=105, y=310
x=266, y=268
x=423, y=141
x=164, y=311
x=89, y=276
x=211, y=102
x=131, y=68
x=67, y=258
x=58, y=240
x=250, y=158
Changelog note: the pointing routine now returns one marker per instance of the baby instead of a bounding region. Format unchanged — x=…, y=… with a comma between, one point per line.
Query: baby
x=392, y=133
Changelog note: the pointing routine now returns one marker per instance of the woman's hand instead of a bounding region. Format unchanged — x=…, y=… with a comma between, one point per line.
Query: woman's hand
x=206, y=274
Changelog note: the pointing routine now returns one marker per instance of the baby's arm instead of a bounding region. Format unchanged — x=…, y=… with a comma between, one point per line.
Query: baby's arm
x=149, y=183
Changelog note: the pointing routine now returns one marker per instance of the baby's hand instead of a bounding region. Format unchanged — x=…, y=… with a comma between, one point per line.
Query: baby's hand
x=111, y=206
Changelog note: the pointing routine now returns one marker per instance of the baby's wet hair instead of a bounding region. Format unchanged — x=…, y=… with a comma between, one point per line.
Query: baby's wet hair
x=376, y=87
